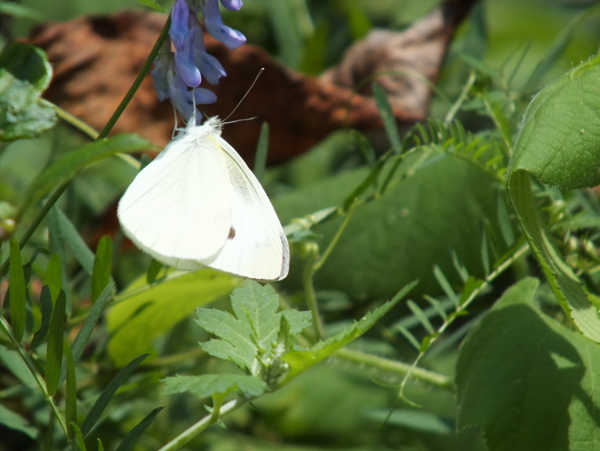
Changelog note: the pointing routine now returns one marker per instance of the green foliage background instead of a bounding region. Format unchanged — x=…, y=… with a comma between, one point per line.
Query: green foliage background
x=494, y=348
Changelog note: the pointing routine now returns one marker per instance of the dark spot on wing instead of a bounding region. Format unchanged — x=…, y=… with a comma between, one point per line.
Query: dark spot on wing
x=231, y=235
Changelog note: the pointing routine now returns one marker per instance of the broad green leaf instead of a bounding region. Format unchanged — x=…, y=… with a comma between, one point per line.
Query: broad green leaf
x=71, y=393
x=388, y=117
x=17, y=291
x=433, y=208
x=65, y=236
x=46, y=310
x=94, y=414
x=55, y=344
x=138, y=430
x=210, y=384
x=300, y=361
x=69, y=164
x=24, y=74
x=102, y=266
x=251, y=338
x=147, y=313
x=532, y=387
x=15, y=421
x=559, y=144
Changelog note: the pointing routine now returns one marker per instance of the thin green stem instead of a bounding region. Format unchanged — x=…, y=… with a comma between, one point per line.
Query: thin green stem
x=311, y=296
x=88, y=130
x=392, y=366
x=203, y=424
x=34, y=372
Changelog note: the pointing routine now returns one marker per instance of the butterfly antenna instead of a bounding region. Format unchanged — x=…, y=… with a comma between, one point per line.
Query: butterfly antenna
x=262, y=69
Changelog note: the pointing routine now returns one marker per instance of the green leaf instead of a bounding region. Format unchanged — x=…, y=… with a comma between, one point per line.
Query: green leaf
x=397, y=237
x=546, y=374
x=15, y=421
x=250, y=338
x=64, y=235
x=46, y=310
x=69, y=164
x=262, y=149
x=427, y=422
x=388, y=117
x=55, y=344
x=94, y=414
x=211, y=384
x=300, y=361
x=102, y=266
x=138, y=430
x=559, y=144
x=17, y=10
x=149, y=312
x=53, y=276
x=152, y=4
x=24, y=74
x=71, y=392
x=78, y=437
x=85, y=333
x=15, y=364
x=17, y=291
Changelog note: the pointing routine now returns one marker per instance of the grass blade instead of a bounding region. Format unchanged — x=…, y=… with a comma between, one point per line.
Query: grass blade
x=17, y=291
x=138, y=430
x=94, y=414
x=55, y=344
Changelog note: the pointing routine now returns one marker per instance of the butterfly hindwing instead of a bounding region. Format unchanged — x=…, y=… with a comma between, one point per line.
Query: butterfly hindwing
x=256, y=246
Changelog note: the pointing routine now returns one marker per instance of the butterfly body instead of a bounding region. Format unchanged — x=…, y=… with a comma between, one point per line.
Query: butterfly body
x=198, y=204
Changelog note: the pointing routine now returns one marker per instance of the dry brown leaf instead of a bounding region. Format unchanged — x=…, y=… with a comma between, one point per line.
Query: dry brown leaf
x=96, y=59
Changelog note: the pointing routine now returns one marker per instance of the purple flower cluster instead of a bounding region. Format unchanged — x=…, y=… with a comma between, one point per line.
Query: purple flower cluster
x=176, y=72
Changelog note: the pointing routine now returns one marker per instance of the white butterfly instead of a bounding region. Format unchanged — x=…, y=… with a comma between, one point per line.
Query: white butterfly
x=198, y=204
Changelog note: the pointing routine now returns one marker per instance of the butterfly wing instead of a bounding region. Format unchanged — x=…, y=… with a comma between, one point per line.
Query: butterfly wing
x=256, y=246
x=178, y=209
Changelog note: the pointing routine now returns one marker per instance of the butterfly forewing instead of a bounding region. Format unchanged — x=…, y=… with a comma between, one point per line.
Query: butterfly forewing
x=179, y=206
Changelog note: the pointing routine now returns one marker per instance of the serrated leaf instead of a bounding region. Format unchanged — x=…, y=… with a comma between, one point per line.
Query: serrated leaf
x=54, y=353
x=15, y=421
x=254, y=331
x=210, y=384
x=96, y=411
x=69, y=164
x=547, y=374
x=133, y=435
x=150, y=312
x=102, y=266
x=300, y=361
x=17, y=291
x=24, y=74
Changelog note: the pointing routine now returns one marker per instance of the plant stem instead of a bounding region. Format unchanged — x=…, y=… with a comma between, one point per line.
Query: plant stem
x=203, y=424
x=34, y=372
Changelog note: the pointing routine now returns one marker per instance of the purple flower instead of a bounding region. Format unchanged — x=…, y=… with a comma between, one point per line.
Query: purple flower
x=180, y=20
x=214, y=24
x=232, y=5
x=174, y=73
x=181, y=96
